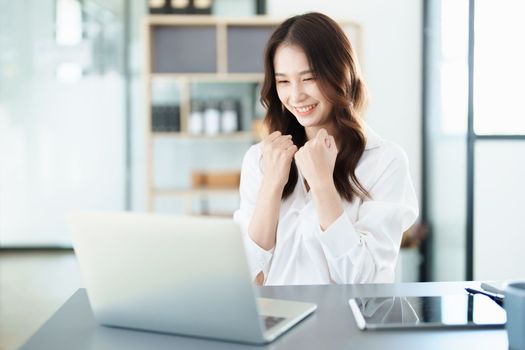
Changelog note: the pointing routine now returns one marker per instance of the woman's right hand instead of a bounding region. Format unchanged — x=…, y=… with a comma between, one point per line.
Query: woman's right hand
x=277, y=154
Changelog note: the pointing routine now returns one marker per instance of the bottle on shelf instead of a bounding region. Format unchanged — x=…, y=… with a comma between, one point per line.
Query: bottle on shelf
x=196, y=118
x=201, y=7
x=229, y=116
x=158, y=6
x=173, y=118
x=179, y=6
x=158, y=122
x=212, y=117
x=165, y=118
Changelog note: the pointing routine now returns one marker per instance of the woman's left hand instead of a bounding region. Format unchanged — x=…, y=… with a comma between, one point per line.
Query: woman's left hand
x=316, y=159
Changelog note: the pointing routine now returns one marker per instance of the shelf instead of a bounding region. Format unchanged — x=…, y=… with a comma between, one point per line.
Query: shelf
x=242, y=135
x=211, y=77
x=197, y=192
x=184, y=20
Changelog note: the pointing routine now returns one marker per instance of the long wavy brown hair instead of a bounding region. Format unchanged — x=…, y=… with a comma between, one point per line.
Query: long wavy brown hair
x=337, y=72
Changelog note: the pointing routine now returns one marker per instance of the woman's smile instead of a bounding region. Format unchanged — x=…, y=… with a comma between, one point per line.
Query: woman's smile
x=305, y=110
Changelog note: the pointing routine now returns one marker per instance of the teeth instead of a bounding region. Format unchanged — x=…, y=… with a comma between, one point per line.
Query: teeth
x=305, y=109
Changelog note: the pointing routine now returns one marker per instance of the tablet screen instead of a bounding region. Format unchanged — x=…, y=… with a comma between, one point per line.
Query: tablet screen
x=435, y=311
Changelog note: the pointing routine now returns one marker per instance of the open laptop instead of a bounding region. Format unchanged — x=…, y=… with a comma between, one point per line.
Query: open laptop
x=176, y=274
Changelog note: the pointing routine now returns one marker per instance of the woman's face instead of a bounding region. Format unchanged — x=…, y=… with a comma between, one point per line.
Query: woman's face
x=298, y=89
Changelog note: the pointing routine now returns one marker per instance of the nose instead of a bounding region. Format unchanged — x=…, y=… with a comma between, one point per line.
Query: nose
x=297, y=93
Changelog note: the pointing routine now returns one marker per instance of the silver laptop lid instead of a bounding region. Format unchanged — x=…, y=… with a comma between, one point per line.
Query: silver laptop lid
x=176, y=274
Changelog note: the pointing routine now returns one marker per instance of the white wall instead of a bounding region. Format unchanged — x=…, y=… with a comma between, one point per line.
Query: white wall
x=391, y=41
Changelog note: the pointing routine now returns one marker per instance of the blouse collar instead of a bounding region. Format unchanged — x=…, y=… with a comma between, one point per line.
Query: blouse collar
x=373, y=140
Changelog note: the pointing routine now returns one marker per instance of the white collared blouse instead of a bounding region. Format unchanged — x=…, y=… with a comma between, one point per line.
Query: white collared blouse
x=361, y=246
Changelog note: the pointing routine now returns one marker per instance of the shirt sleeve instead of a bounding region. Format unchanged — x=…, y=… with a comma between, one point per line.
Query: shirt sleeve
x=251, y=177
x=366, y=251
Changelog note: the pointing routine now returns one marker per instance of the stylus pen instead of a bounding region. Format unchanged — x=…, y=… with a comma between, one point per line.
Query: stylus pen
x=498, y=300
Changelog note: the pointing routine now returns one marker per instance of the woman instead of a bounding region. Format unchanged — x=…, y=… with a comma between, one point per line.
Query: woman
x=324, y=199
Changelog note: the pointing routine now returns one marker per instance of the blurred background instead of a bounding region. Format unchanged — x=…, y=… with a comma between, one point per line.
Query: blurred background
x=150, y=106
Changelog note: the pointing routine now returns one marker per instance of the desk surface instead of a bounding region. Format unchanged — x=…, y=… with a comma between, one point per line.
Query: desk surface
x=332, y=326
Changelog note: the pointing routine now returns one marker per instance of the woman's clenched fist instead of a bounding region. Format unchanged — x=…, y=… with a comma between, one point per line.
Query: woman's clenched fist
x=277, y=154
x=316, y=159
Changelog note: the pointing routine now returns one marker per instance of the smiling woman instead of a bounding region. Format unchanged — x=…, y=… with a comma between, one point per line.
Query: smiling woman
x=310, y=63
x=324, y=199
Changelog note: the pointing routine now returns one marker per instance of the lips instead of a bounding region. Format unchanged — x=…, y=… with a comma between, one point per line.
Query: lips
x=303, y=110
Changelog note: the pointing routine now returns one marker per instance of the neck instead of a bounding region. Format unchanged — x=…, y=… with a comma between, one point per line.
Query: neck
x=312, y=131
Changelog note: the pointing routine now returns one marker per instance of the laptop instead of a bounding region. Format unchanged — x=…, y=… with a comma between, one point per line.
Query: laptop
x=176, y=274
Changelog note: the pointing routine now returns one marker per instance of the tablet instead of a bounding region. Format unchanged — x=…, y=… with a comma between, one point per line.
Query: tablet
x=446, y=311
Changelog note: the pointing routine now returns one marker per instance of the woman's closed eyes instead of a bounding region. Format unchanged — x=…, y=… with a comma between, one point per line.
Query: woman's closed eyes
x=308, y=79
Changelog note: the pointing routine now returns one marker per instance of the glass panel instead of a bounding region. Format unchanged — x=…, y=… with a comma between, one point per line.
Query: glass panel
x=454, y=97
x=499, y=73
x=137, y=11
x=446, y=117
x=61, y=118
x=454, y=66
x=498, y=211
x=447, y=208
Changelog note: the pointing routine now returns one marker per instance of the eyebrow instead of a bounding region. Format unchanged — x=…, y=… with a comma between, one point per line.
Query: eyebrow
x=309, y=71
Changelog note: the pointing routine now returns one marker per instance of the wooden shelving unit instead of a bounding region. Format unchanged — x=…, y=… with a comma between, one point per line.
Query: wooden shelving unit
x=197, y=192
x=185, y=135
x=190, y=50
x=215, y=38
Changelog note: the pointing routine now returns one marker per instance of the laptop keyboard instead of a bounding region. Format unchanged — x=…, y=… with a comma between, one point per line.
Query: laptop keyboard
x=270, y=321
